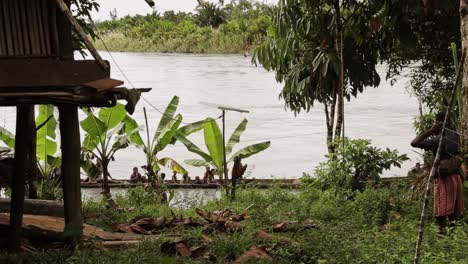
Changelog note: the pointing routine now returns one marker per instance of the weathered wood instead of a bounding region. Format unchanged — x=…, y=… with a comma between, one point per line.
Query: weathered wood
x=22, y=168
x=17, y=22
x=8, y=35
x=71, y=150
x=52, y=7
x=51, y=228
x=48, y=72
x=14, y=31
x=24, y=26
x=46, y=26
x=33, y=28
x=65, y=9
x=104, y=84
x=64, y=34
x=3, y=46
x=35, y=207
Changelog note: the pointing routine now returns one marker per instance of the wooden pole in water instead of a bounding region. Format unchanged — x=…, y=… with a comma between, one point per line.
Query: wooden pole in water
x=71, y=148
x=23, y=157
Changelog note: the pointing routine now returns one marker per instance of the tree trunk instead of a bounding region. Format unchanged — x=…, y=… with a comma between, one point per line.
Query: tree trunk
x=339, y=48
x=105, y=179
x=464, y=38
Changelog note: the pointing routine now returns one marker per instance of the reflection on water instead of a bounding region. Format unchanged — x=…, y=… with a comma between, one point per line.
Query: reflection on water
x=383, y=115
x=183, y=198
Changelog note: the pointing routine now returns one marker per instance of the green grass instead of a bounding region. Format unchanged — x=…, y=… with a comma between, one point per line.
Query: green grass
x=376, y=226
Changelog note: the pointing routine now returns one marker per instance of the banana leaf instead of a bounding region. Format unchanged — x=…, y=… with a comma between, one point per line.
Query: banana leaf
x=192, y=147
x=197, y=163
x=235, y=137
x=45, y=141
x=250, y=150
x=167, y=116
x=214, y=142
x=172, y=164
x=132, y=128
x=7, y=137
x=167, y=134
x=112, y=116
x=93, y=126
x=189, y=129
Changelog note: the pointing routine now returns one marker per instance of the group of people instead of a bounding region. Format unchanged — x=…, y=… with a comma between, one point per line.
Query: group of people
x=208, y=177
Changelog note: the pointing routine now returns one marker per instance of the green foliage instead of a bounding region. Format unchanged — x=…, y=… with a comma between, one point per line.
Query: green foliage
x=233, y=28
x=48, y=186
x=209, y=14
x=82, y=10
x=214, y=144
x=417, y=40
x=112, y=130
x=303, y=51
x=168, y=127
x=354, y=164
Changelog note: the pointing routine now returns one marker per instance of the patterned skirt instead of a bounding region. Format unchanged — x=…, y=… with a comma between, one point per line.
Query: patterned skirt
x=448, y=196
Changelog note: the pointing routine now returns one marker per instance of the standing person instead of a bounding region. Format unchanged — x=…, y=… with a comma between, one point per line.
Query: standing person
x=448, y=185
x=135, y=176
x=206, y=176
x=174, y=177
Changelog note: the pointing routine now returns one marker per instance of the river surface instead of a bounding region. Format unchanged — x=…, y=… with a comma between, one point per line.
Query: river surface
x=383, y=115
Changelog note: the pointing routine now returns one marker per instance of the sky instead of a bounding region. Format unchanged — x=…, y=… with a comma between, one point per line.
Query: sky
x=132, y=7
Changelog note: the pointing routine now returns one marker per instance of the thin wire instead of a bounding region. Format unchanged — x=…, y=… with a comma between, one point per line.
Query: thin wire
x=128, y=79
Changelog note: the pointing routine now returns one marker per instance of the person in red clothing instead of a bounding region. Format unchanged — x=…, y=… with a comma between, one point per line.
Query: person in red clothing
x=448, y=184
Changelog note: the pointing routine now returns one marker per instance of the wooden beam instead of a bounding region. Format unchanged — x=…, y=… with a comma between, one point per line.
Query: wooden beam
x=22, y=168
x=71, y=148
x=35, y=207
x=47, y=72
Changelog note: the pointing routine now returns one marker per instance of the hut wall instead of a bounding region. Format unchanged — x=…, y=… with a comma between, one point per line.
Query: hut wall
x=28, y=28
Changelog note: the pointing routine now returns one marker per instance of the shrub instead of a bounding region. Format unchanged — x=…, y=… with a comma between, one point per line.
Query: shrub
x=354, y=164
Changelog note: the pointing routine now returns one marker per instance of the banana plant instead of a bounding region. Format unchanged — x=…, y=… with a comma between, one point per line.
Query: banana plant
x=167, y=128
x=214, y=143
x=46, y=150
x=112, y=130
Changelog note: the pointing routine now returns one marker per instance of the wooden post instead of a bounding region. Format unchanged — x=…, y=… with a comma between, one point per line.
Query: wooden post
x=32, y=191
x=23, y=159
x=225, y=170
x=71, y=148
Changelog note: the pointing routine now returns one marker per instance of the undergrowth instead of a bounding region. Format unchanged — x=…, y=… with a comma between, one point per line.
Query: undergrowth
x=377, y=225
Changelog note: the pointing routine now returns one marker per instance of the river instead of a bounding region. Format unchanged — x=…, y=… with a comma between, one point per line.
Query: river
x=384, y=114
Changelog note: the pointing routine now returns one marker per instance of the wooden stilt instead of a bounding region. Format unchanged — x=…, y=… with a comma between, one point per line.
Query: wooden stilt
x=23, y=157
x=32, y=191
x=71, y=147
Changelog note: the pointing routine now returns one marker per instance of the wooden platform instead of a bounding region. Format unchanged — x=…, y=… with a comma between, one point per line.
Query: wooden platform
x=51, y=227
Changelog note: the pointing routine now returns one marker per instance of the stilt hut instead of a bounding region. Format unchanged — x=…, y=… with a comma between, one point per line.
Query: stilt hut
x=37, y=66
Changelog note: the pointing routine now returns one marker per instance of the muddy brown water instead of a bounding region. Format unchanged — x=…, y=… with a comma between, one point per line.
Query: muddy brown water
x=383, y=115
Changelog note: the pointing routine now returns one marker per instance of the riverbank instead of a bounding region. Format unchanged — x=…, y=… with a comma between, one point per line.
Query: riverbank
x=231, y=28
x=211, y=42
x=378, y=225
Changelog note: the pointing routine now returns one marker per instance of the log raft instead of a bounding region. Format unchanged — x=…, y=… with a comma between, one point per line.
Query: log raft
x=256, y=183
